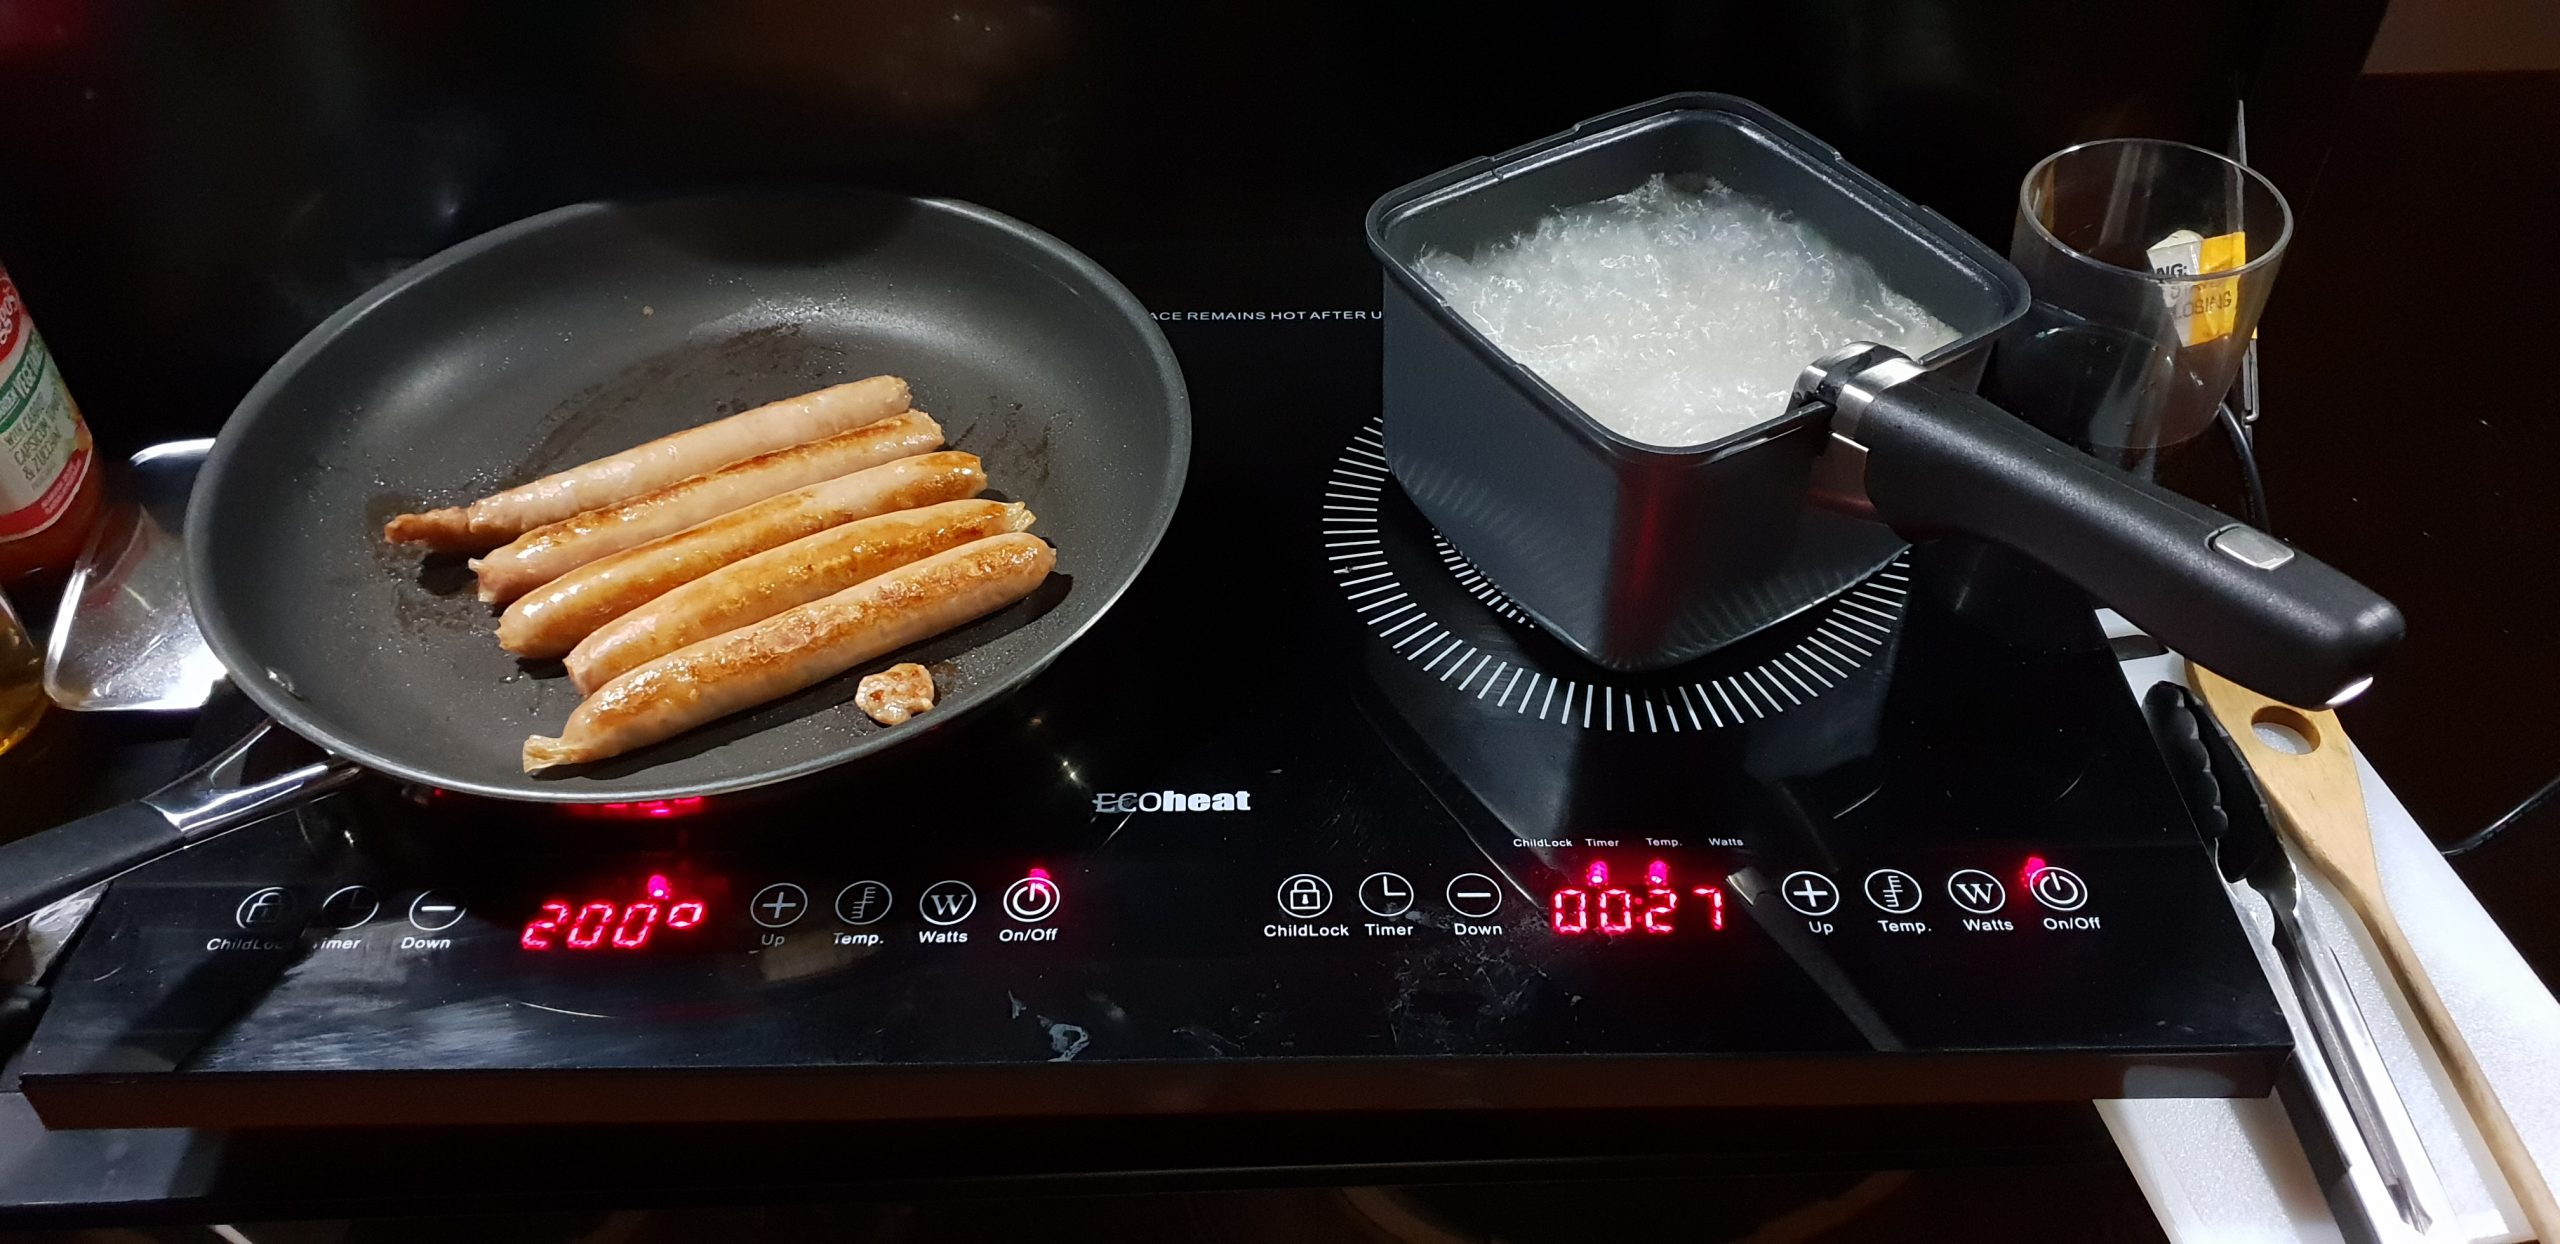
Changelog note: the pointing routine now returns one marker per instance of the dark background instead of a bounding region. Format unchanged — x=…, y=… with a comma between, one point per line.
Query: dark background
x=185, y=189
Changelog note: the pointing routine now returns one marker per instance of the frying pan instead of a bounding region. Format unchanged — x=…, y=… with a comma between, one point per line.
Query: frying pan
x=584, y=330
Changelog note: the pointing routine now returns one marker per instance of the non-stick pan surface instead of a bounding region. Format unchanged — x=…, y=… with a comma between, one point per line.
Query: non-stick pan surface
x=595, y=327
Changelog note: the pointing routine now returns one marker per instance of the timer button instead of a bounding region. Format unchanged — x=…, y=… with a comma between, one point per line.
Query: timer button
x=2058, y=888
x=779, y=905
x=350, y=908
x=1385, y=895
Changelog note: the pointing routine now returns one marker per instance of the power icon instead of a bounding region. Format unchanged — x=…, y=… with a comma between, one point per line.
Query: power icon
x=2058, y=888
x=1032, y=899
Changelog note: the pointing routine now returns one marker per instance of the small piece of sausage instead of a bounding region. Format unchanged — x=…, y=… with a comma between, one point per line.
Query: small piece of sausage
x=494, y=520
x=895, y=694
x=551, y=621
x=796, y=648
x=554, y=549
x=758, y=587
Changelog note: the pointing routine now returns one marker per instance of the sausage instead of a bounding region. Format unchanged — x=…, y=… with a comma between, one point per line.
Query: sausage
x=494, y=520
x=554, y=549
x=781, y=578
x=796, y=648
x=551, y=621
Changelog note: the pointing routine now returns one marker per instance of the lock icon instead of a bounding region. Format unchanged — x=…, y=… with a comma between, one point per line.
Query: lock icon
x=1305, y=895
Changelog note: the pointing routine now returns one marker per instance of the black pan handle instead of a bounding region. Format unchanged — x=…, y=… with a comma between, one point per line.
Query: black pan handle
x=2259, y=612
x=42, y=869
x=210, y=800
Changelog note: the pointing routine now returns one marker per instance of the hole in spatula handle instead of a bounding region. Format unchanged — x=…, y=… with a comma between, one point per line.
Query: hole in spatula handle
x=2286, y=729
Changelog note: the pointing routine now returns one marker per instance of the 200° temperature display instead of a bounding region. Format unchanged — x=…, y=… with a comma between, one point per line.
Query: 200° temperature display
x=610, y=924
x=1657, y=907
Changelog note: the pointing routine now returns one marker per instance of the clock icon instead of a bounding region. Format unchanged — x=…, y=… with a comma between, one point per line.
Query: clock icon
x=1385, y=894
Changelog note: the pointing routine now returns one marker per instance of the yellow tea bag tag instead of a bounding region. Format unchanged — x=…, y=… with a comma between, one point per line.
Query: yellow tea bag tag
x=2204, y=310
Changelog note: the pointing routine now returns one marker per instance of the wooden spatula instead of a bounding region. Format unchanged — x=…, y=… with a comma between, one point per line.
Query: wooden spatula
x=2319, y=804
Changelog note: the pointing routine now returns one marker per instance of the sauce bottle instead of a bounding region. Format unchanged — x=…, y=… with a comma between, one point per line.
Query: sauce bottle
x=49, y=485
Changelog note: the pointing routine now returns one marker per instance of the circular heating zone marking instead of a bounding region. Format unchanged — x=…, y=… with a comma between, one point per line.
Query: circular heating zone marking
x=1841, y=635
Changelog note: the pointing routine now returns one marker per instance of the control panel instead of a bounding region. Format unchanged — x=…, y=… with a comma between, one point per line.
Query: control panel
x=1662, y=891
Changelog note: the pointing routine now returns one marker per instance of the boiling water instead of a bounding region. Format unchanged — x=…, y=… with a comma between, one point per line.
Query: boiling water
x=1676, y=314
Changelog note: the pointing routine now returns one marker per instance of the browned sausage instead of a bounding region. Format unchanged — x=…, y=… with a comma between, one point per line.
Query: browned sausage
x=551, y=621
x=796, y=648
x=494, y=520
x=554, y=549
x=758, y=587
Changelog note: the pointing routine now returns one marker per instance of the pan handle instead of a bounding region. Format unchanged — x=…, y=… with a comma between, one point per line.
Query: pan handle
x=1940, y=461
x=42, y=869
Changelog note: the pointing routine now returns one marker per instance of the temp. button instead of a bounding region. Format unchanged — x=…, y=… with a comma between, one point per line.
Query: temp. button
x=350, y=907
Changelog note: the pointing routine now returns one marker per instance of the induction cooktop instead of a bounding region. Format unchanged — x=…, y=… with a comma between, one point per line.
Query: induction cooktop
x=1314, y=820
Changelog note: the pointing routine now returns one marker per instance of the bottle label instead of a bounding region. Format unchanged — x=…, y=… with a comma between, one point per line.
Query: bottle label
x=43, y=457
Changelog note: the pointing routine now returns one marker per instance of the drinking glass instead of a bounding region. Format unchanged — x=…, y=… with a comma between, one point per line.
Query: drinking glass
x=2150, y=261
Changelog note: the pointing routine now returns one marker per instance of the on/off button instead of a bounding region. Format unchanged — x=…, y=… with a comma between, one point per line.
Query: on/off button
x=1032, y=899
x=2058, y=888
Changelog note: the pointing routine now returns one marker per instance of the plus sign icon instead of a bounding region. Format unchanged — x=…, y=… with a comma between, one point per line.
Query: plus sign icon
x=779, y=905
x=1810, y=893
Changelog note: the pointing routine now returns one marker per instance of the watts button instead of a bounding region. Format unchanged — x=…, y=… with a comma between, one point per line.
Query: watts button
x=1977, y=891
x=948, y=902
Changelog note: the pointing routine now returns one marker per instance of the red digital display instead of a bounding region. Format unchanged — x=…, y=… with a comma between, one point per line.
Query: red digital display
x=1654, y=907
x=644, y=810
x=605, y=924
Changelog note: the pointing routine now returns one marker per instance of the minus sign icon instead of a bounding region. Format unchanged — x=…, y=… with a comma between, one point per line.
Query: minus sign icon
x=1475, y=894
x=438, y=908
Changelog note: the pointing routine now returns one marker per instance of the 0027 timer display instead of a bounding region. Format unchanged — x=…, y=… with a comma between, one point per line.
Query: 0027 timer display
x=1656, y=907
x=610, y=924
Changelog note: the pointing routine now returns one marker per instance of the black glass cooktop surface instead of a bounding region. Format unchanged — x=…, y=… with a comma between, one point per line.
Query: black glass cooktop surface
x=1314, y=820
